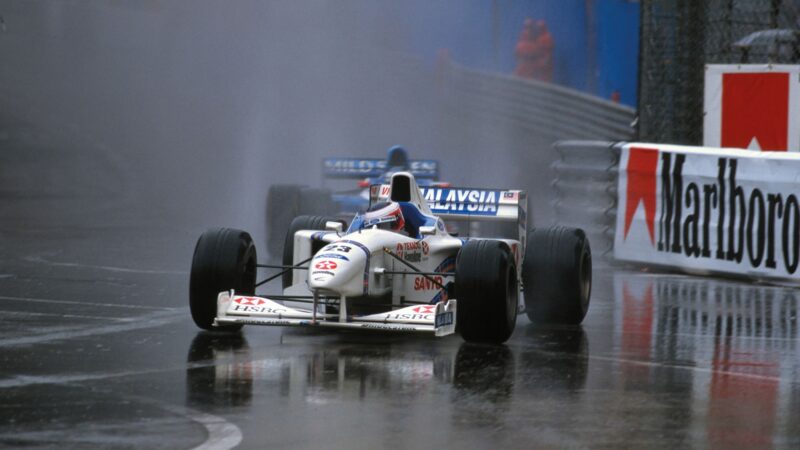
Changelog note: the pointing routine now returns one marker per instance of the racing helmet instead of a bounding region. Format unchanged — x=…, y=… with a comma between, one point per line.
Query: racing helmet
x=386, y=216
x=397, y=157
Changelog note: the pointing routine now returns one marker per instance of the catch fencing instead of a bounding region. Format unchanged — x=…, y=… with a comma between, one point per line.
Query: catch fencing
x=679, y=37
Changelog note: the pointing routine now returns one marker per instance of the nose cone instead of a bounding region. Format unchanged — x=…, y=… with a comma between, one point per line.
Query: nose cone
x=338, y=268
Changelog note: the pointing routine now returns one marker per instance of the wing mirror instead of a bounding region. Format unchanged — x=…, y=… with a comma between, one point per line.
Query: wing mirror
x=334, y=226
x=427, y=231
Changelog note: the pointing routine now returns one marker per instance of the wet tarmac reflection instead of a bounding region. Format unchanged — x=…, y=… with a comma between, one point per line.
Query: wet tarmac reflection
x=478, y=383
x=695, y=361
x=738, y=343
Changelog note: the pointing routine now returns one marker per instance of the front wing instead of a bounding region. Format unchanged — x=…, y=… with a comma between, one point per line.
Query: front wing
x=232, y=309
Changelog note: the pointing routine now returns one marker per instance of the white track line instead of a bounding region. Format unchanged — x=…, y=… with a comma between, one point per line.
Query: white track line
x=145, y=321
x=693, y=369
x=66, y=316
x=40, y=260
x=222, y=434
x=73, y=302
x=19, y=381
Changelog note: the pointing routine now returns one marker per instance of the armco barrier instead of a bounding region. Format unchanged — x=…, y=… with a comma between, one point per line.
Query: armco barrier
x=522, y=119
x=585, y=187
x=548, y=110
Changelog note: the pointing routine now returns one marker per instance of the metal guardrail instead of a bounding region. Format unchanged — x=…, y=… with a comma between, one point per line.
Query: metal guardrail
x=545, y=109
x=532, y=117
x=586, y=189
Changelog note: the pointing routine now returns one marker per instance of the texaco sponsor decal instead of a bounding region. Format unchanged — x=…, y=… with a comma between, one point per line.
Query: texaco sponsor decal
x=326, y=265
x=412, y=251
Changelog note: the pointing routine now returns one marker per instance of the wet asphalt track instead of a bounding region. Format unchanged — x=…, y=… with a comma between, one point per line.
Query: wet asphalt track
x=97, y=348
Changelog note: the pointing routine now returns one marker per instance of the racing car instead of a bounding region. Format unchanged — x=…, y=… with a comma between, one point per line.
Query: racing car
x=286, y=201
x=396, y=268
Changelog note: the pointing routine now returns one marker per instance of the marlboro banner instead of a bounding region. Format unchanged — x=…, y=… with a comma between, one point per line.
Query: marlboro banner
x=756, y=107
x=709, y=209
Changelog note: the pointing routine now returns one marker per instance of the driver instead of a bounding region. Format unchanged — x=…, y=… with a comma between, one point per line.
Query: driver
x=397, y=158
x=386, y=216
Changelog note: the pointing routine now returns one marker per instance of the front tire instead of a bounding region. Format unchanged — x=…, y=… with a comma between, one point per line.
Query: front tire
x=224, y=259
x=557, y=275
x=486, y=291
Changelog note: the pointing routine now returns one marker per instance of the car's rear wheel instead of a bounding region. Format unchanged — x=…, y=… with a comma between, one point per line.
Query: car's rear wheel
x=486, y=291
x=224, y=259
x=557, y=275
x=283, y=204
x=287, y=201
x=316, y=201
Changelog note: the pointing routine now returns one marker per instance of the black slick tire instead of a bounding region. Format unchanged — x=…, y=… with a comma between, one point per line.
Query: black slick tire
x=557, y=275
x=283, y=205
x=316, y=202
x=287, y=201
x=486, y=291
x=224, y=258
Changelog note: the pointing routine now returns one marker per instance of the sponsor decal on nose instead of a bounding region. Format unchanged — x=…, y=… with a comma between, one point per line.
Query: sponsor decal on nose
x=326, y=265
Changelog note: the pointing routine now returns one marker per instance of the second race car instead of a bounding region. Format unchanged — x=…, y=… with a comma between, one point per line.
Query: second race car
x=286, y=201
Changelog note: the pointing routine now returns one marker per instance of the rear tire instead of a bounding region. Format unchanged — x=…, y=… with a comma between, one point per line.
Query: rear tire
x=557, y=275
x=287, y=201
x=299, y=223
x=486, y=291
x=224, y=259
x=316, y=202
x=283, y=204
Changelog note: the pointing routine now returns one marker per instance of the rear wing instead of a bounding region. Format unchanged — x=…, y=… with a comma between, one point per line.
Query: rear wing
x=371, y=168
x=470, y=204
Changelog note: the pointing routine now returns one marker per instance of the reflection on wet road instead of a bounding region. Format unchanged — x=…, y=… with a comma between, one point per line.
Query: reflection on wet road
x=381, y=388
x=737, y=343
x=693, y=361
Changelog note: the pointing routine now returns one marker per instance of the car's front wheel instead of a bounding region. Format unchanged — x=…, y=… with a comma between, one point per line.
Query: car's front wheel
x=224, y=259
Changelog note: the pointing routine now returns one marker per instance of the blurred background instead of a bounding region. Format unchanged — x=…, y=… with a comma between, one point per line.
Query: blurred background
x=194, y=108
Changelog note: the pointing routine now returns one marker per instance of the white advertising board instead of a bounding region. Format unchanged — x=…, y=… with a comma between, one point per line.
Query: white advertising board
x=709, y=209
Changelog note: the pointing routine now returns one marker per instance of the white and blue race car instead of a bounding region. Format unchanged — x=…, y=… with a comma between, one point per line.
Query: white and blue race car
x=287, y=201
x=396, y=268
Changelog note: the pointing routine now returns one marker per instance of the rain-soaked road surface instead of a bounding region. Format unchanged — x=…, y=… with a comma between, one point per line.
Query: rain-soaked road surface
x=98, y=349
